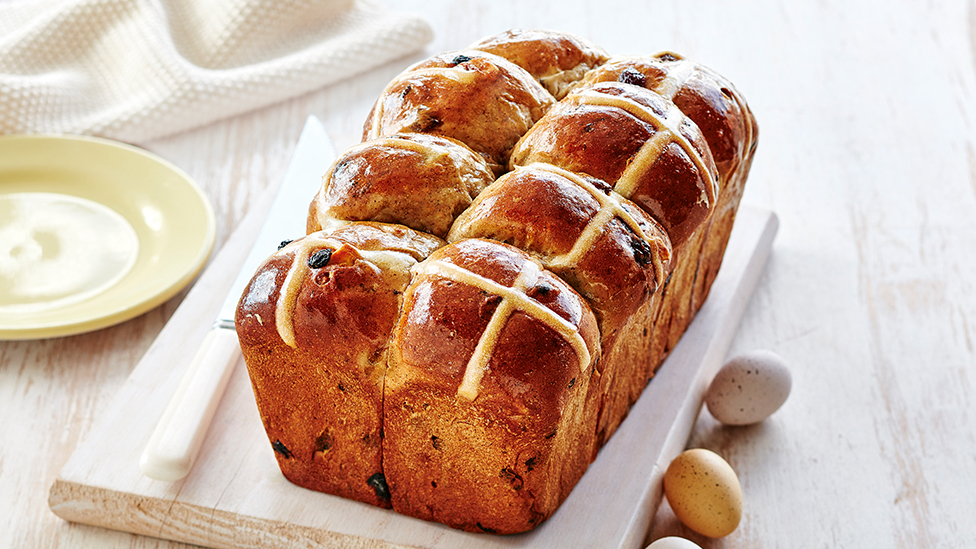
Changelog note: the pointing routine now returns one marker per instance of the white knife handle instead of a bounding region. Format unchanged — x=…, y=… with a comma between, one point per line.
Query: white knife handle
x=174, y=444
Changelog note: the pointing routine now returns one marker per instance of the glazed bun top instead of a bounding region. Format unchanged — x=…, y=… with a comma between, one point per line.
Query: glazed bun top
x=556, y=59
x=338, y=289
x=483, y=317
x=480, y=99
x=637, y=141
x=707, y=98
x=603, y=245
x=419, y=180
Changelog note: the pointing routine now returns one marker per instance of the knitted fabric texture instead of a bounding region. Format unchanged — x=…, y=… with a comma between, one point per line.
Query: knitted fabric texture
x=134, y=70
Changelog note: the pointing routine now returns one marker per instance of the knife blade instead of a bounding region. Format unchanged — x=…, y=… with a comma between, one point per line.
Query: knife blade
x=175, y=443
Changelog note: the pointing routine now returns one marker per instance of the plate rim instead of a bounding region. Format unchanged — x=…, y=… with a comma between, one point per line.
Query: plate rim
x=103, y=318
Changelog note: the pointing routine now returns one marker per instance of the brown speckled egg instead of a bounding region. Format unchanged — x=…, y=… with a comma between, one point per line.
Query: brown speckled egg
x=704, y=492
x=749, y=388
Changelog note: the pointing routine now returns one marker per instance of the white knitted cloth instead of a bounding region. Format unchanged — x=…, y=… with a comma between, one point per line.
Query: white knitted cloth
x=137, y=69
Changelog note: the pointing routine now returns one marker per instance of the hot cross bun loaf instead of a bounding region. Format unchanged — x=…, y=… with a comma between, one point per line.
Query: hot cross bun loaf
x=493, y=275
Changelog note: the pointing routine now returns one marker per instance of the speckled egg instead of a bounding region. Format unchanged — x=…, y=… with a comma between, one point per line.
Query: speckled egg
x=749, y=388
x=673, y=542
x=704, y=492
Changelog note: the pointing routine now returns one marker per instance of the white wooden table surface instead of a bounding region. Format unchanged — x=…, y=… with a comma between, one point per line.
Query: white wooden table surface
x=867, y=114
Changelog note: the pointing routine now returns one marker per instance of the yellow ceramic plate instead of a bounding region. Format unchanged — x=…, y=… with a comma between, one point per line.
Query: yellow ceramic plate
x=92, y=233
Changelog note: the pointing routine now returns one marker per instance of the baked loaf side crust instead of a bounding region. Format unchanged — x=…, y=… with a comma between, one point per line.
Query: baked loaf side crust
x=486, y=390
x=731, y=132
x=314, y=326
x=650, y=153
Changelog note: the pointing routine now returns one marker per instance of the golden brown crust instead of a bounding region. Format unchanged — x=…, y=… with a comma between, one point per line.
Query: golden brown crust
x=375, y=237
x=478, y=98
x=320, y=397
x=419, y=180
x=635, y=140
x=729, y=128
x=607, y=248
x=556, y=59
x=503, y=461
x=704, y=96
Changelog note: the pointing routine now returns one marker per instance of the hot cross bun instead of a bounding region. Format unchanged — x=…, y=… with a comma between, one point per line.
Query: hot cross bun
x=478, y=98
x=314, y=325
x=487, y=385
x=558, y=60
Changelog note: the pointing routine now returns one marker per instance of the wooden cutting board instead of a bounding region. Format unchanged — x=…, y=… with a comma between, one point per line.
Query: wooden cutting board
x=236, y=497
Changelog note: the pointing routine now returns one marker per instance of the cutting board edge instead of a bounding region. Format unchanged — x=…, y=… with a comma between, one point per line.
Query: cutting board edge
x=181, y=522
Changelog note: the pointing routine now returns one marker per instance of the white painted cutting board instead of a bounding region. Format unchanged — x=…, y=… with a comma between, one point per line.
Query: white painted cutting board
x=236, y=497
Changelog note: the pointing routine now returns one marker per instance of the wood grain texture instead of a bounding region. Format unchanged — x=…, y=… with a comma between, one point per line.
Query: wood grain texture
x=867, y=152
